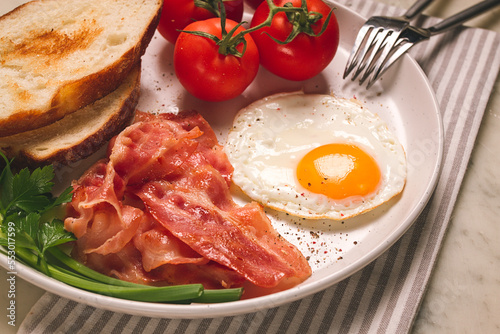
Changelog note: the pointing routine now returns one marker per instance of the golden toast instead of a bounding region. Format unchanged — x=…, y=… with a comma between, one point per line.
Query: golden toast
x=79, y=134
x=58, y=56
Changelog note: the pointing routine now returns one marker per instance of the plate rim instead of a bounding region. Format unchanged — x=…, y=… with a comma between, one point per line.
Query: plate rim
x=195, y=311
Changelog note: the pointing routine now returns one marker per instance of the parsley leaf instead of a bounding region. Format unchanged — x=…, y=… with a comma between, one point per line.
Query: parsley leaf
x=53, y=234
x=24, y=197
x=6, y=195
x=21, y=228
x=27, y=229
x=29, y=192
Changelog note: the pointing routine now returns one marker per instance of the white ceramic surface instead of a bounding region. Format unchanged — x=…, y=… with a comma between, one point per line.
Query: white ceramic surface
x=346, y=246
x=463, y=294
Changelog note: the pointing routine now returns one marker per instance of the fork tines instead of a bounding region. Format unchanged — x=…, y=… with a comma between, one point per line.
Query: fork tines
x=374, y=44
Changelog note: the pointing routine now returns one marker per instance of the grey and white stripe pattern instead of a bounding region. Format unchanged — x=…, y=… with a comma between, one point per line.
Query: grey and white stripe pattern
x=462, y=66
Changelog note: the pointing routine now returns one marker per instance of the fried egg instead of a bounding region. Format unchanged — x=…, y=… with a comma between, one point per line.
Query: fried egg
x=315, y=156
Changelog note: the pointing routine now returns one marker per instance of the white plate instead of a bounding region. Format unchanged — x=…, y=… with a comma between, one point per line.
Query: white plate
x=403, y=98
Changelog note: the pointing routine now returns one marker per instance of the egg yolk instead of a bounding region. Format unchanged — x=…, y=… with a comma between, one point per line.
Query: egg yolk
x=339, y=171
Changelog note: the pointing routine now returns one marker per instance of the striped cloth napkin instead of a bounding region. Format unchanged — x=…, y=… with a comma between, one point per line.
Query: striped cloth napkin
x=462, y=66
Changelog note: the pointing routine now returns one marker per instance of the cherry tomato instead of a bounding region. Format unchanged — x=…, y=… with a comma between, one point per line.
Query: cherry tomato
x=177, y=14
x=206, y=73
x=254, y=3
x=303, y=57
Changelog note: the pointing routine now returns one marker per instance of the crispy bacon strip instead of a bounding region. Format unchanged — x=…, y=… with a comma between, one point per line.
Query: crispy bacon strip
x=151, y=150
x=208, y=143
x=217, y=235
x=159, y=209
x=158, y=246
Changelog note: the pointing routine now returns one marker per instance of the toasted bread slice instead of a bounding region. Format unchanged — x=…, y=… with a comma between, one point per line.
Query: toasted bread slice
x=79, y=134
x=57, y=56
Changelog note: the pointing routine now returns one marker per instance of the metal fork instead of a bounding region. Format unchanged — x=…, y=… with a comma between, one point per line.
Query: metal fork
x=379, y=33
x=381, y=55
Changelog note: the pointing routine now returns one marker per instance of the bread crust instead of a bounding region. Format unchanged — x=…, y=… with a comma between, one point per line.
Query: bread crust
x=76, y=94
x=26, y=156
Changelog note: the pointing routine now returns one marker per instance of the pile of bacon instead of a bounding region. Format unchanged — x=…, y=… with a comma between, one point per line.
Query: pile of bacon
x=158, y=211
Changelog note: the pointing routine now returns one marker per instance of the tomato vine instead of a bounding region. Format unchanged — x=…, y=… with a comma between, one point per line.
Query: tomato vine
x=300, y=18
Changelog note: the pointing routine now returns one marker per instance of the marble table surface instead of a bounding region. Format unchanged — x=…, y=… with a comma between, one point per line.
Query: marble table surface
x=463, y=295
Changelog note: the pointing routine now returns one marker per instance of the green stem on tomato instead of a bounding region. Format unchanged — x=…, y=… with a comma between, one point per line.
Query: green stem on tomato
x=228, y=42
x=273, y=10
x=299, y=17
x=209, y=5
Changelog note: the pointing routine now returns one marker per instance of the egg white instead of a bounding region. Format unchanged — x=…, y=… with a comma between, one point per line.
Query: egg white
x=270, y=136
